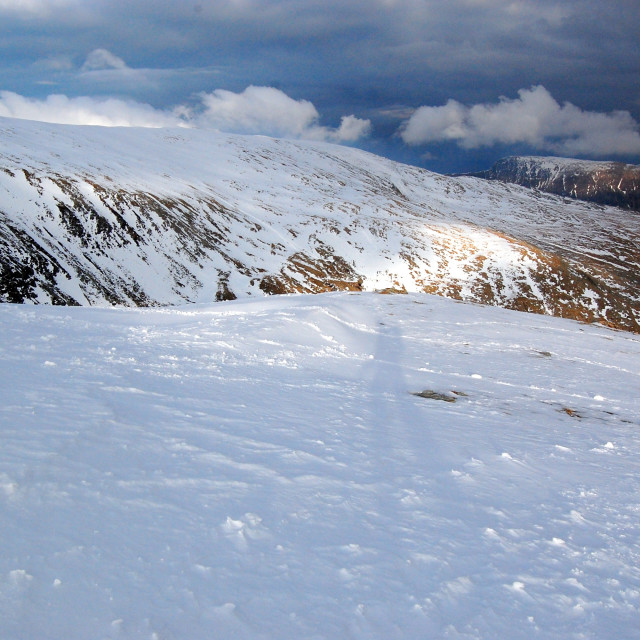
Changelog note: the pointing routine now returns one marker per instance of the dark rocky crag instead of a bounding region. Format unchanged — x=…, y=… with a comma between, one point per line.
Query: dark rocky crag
x=607, y=183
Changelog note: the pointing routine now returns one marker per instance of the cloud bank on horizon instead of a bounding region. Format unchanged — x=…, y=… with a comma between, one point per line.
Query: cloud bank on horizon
x=259, y=110
x=534, y=118
x=411, y=79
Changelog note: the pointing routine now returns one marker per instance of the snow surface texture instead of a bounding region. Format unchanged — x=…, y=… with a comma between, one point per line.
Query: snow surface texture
x=262, y=469
x=157, y=216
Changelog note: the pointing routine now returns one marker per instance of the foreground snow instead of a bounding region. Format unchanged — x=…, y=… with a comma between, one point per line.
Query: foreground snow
x=261, y=469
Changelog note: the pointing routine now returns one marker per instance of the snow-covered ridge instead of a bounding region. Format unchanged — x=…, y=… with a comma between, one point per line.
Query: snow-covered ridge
x=157, y=216
x=262, y=469
x=557, y=163
x=608, y=183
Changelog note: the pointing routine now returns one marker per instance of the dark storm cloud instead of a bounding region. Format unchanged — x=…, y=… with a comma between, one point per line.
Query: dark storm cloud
x=408, y=43
x=378, y=59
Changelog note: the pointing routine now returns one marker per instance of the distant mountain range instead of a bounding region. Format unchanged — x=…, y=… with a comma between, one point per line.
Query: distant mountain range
x=607, y=183
x=128, y=216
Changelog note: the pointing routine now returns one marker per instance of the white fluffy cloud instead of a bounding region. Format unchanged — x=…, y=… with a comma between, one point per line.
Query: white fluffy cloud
x=108, y=112
x=258, y=110
x=534, y=118
x=262, y=110
x=351, y=129
x=272, y=112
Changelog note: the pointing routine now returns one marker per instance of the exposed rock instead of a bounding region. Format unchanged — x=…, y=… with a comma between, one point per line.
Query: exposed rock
x=607, y=183
x=571, y=413
x=434, y=395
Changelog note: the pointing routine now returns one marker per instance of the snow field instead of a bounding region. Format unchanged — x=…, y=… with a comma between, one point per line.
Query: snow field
x=261, y=469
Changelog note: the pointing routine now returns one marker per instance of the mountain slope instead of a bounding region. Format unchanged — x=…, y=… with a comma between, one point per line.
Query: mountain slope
x=262, y=469
x=607, y=183
x=145, y=217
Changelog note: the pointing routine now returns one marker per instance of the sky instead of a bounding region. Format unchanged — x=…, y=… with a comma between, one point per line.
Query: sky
x=448, y=85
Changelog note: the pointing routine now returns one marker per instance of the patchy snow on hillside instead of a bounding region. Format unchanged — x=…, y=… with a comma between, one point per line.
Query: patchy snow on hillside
x=556, y=165
x=263, y=469
x=145, y=217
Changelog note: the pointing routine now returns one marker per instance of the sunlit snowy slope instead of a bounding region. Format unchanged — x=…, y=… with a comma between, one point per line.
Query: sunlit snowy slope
x=92, y=215
x=261, y=469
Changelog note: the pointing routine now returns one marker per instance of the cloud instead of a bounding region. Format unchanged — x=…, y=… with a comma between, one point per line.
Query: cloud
x=101, y=59
x=351, y=129
x=269, y=111
x=41, y=7
x=106, y=112
x=259, y=110
x=54, y=63
x=534, y=118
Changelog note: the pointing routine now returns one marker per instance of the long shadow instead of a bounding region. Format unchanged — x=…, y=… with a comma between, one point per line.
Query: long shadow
x=399, y=424
x=408, y=436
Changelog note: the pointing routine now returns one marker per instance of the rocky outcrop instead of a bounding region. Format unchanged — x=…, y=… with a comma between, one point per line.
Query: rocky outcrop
x=606, y=183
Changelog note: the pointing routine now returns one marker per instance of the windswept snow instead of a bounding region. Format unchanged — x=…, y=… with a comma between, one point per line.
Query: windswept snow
x=263, y=469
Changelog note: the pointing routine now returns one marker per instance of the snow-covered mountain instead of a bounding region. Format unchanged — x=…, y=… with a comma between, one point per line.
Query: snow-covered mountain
x=607, y=183
x=347, y=466
x=154, y=217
